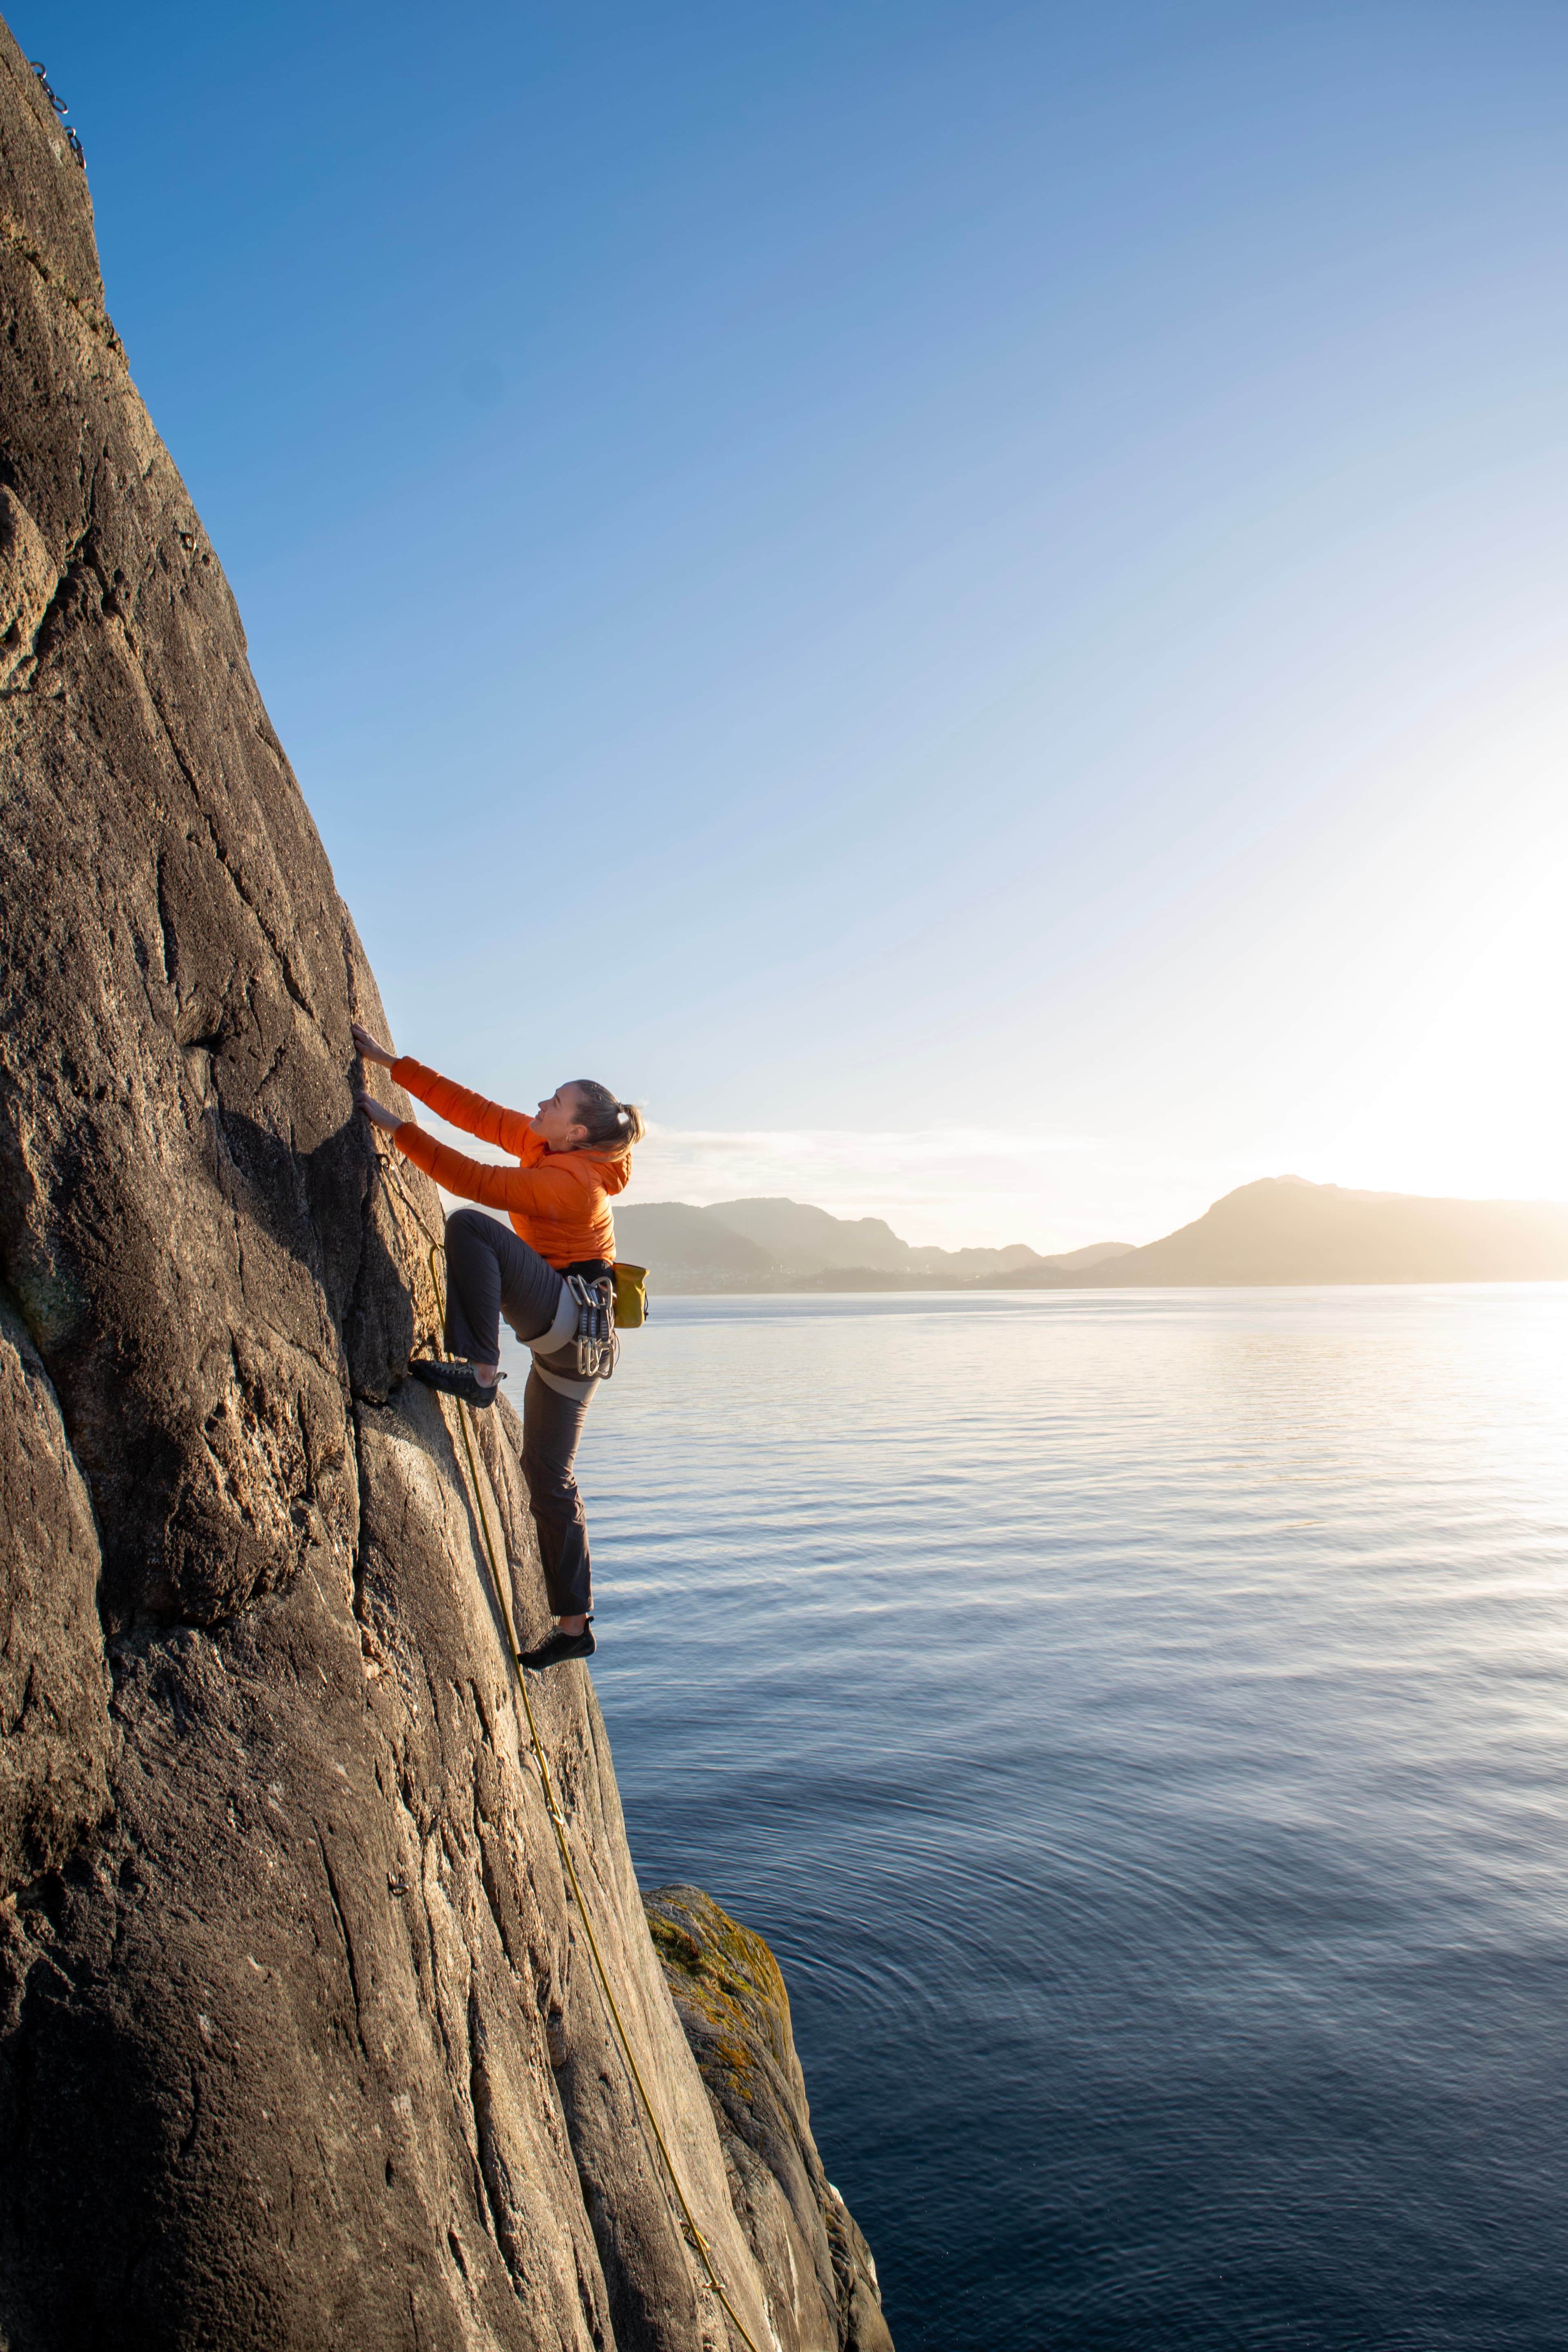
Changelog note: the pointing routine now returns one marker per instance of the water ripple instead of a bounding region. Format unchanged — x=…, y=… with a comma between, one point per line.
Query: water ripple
x=1140, y=1723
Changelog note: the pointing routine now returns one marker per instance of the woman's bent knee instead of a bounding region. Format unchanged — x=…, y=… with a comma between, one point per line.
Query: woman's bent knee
x=469, y=1220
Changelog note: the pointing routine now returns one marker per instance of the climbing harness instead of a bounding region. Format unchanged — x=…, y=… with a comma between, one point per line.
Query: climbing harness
x=598, y=1349
x=690, y=2230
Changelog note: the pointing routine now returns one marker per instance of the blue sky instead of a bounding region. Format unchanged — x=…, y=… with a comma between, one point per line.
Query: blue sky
x=966, y=600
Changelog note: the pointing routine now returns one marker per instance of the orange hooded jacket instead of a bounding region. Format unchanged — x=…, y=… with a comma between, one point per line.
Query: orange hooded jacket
x=558, y=1201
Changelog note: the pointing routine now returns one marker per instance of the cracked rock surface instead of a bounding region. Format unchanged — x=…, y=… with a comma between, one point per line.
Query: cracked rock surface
x=299, y=2044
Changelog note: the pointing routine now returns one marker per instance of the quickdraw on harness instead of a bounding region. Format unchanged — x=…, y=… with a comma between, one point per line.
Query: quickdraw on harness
x=598, y=1349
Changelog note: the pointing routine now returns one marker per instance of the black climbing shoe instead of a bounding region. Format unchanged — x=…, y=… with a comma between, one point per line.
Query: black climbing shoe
x=459, y=1380
x=560, y=1647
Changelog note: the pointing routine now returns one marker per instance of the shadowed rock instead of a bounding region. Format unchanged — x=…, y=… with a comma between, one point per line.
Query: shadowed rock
x=298, y=2044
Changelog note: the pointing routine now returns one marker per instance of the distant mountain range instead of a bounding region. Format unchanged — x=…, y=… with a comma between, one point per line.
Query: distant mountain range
x=1285, y=1230
x=776, y=1245
x=1279, y=1230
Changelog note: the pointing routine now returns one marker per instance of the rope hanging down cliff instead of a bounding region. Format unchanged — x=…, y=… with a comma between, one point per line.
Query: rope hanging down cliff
x=558, y=1823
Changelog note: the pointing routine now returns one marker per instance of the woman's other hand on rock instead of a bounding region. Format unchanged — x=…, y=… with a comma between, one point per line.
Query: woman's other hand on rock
x=371, y=1049
x=377, y=1113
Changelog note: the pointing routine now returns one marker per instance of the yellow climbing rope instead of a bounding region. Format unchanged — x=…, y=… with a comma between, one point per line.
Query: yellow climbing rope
x=558, y=1823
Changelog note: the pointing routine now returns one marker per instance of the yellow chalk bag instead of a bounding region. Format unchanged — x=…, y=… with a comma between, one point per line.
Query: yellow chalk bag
x=631, y=1296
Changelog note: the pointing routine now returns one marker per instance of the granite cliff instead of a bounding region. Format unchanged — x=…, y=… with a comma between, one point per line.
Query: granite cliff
x=299, y=2046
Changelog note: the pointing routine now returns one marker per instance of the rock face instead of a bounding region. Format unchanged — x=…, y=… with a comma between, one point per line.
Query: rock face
x=731, y=2001
x=298, y=2045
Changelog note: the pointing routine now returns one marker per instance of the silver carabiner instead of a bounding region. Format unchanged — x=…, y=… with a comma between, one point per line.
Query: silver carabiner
x=598, y=1346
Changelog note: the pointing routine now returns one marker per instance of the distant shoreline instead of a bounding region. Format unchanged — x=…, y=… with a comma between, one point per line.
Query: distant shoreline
x=904, y=1287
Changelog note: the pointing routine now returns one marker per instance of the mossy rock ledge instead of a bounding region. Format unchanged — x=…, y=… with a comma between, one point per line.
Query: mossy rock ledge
x=730, y=1996
x=299, y=2047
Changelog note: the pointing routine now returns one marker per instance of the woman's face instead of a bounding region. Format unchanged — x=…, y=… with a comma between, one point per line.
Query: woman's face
x=557, y=1121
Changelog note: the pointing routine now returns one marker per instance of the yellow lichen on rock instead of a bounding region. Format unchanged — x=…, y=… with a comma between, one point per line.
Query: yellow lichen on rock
x=730, y=1995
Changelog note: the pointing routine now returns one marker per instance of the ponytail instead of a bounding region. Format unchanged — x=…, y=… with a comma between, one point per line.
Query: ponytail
x=611, y=1126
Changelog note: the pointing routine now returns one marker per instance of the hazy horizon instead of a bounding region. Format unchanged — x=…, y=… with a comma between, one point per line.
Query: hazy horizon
x=963, y=599
x=720, y=1173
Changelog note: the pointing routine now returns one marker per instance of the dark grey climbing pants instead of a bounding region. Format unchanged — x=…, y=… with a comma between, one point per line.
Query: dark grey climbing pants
x=551, y=1424
x=491, y=1273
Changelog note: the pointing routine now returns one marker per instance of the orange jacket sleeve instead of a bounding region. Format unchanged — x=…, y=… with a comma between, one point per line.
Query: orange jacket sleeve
x=542, y=1191
x=491, y=1122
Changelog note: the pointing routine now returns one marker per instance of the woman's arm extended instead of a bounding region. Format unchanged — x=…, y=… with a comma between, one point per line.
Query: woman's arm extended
x=377, y=1113
x=369, y=1049
x=491, y=1122
x=543, y=1191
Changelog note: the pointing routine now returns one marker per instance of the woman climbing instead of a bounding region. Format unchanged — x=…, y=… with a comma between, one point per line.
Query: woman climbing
x=573, y=1154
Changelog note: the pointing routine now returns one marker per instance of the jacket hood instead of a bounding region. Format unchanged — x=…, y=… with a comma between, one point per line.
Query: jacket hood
x=611, y=1173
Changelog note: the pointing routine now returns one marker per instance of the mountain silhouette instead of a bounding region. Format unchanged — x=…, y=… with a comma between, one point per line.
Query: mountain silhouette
x=1281, y=1229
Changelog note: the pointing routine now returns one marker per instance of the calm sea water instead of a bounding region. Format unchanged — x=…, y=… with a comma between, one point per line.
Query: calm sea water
x=1138, y=1722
